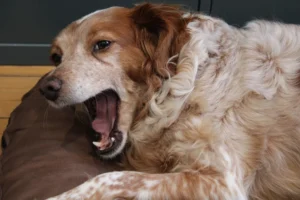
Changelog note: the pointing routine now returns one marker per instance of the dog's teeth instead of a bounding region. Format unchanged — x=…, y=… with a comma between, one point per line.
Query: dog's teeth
x=97, y=144
x=113, y=139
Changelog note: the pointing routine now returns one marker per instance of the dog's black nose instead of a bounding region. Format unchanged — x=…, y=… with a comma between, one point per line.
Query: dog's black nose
x=50, y=88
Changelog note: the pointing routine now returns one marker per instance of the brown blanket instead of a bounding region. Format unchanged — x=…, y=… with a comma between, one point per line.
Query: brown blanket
x=48, y=151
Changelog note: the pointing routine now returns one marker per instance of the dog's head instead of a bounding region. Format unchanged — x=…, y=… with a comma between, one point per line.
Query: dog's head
x=112, y=61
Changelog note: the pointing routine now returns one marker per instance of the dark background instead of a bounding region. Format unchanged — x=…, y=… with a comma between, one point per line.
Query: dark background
x=28, y=26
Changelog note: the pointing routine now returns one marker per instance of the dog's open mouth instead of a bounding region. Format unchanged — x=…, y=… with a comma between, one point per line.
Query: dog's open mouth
x=103, y=110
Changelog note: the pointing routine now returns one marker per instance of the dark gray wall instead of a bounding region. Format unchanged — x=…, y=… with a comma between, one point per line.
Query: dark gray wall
x=237, y=12
x=28, y=26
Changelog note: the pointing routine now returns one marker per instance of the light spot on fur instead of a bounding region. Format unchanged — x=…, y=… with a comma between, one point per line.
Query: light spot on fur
x=88, y=16
x=151, y=183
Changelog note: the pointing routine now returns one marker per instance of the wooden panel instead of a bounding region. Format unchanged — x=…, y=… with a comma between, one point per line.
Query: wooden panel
x=3, y=124
x=6, y=107
x=14, y=83
x=17, y=82
x=237, y=12
x=12, y=94
x=36, y=71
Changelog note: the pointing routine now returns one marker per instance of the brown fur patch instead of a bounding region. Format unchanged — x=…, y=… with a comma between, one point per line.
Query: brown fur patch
x=160, y=34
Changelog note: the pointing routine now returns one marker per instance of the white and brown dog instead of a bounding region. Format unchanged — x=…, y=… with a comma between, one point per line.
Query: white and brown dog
x=205, y=110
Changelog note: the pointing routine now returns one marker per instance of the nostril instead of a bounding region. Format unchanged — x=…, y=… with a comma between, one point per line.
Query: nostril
x=54, y=85
x=50, y=88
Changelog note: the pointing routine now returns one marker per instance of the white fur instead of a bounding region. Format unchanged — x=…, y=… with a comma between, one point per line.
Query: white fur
x=241, y=139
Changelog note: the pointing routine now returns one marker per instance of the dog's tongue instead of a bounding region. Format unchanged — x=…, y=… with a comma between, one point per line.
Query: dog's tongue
x=106, y=111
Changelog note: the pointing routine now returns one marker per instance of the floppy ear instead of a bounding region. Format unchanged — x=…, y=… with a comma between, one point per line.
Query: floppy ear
x=156, y=26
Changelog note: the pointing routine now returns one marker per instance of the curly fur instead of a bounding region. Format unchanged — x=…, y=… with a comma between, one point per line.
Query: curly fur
x=223, y=124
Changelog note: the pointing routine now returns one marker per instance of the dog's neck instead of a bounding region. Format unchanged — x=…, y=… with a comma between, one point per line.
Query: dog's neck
x=206, y=42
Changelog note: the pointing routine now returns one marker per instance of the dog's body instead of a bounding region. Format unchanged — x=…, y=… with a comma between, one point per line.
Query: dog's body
x=225, y=125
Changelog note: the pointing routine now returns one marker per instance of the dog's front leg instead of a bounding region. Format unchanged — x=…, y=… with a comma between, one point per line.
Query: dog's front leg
x=136, y=185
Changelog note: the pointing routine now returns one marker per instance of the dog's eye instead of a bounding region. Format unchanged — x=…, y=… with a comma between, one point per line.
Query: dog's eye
x=102, y=44
x=56, y=59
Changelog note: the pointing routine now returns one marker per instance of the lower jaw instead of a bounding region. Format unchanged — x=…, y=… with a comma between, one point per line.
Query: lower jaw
x=105, y=152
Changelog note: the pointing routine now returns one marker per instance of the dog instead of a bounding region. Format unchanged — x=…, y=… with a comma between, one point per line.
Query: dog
x=197, y=109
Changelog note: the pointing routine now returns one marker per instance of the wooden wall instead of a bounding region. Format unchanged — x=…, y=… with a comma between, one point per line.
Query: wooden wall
x=15, y=81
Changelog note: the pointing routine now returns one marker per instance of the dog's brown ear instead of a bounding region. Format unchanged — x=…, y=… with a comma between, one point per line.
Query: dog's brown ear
x=156, y=27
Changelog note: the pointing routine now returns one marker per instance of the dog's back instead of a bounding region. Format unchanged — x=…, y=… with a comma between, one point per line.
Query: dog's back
x=251, y=96
x=243, y=116
x=271, y=57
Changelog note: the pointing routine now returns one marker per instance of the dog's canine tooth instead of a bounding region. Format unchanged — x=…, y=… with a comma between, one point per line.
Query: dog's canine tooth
x=97, y=144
